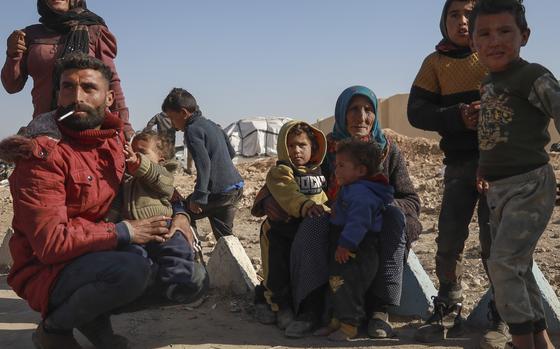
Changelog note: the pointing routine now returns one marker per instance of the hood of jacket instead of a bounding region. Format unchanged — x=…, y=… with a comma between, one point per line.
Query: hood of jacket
x=316, y=156
x=381, y=190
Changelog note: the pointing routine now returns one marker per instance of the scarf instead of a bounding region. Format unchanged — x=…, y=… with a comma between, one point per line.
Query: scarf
x=340, y=132
x=446, y=46
x=73, y=24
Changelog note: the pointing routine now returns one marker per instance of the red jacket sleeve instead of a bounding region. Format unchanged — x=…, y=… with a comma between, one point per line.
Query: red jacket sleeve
x=40, y=213
x=106, y=50
x=14, y=74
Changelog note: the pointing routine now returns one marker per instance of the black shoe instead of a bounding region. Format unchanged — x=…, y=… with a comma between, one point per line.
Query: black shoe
x=50, y=340
x=100, y=333
x=445, y=322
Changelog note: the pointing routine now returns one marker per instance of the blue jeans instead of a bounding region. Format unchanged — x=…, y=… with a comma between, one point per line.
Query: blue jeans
x=95, y=284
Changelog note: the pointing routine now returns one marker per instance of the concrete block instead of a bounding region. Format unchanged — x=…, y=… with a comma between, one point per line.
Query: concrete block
x=418, y=289
x=5, y=255
x=230, y=268
x=478, y=317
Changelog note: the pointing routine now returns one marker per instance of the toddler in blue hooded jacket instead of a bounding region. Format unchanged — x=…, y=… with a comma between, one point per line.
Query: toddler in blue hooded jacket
x=356, y=221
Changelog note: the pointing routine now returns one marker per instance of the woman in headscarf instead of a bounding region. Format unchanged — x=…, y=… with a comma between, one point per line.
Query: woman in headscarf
x=356, y=117
x=66, y=26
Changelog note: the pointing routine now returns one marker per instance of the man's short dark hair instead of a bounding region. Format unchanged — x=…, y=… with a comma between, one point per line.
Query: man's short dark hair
x=79, y=60
x=304, y=128
x=179, y=98
x=493, y=7
x=164, y=147
x=366, y=153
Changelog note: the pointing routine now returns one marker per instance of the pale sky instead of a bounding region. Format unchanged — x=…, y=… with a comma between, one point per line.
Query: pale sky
x=289, y=58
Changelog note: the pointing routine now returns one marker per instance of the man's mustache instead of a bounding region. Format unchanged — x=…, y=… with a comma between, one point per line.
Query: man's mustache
x=76, y=107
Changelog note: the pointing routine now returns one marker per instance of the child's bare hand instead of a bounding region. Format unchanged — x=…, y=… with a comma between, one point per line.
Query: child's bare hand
x=129, y=154
x=315, y=211
x=342, y=254
x=469, y=114
x=482, y=185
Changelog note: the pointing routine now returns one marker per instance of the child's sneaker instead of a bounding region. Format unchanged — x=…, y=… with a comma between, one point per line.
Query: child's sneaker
x=284, y=317
x=344, y=333
x=497, y=335
x=445, y=322
x=379, y=326
x=264, y=314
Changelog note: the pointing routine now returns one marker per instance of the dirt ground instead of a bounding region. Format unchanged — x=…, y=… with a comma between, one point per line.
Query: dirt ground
x=224, y=321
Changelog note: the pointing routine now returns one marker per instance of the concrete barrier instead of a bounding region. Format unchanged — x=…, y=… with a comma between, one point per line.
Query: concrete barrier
x=417, y=291
x=478, y=317
x=230, y=268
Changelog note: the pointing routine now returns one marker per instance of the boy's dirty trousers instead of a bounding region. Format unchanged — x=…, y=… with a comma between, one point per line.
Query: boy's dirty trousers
x=276, y=243
x=457, y=207
x=220, y=211
x=520, y=207
x=349, y=282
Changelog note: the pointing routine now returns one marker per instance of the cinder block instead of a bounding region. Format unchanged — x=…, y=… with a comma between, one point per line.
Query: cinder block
x=478, y=317
x=417, y=292
x=230, y=268
x=5, y=255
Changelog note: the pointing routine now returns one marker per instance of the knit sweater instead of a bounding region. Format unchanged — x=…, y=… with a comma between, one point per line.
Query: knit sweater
x=147, y=193
x=442, y=84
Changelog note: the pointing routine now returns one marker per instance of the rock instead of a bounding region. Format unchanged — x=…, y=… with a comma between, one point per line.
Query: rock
x=230, y=268
x=5, y=255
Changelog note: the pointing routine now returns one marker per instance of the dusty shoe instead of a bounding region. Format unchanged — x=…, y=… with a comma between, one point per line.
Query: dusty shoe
x=379, y=326
x=497, y=335
x=445, y=322
x=299, y=329
x=264, y=314
x=284, y=318
x=301, y=326
x=100, y=333
x=43, y=340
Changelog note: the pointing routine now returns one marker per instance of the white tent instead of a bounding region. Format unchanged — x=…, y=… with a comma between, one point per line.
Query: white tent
x=255, y=136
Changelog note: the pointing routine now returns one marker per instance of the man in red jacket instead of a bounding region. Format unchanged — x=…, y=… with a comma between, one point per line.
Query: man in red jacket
x=66, y=262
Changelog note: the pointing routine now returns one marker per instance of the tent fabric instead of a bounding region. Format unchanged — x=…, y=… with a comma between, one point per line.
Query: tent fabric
x=255, y=136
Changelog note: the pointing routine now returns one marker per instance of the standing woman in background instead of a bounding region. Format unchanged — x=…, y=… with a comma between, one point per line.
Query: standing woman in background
x=66, y=26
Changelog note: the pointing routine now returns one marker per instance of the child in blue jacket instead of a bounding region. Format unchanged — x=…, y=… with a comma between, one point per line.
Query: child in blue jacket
x=356, y=221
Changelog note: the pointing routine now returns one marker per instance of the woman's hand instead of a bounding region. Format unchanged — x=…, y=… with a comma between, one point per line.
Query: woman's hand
x=194, y=207
x=315, y=211
x=16, y=44
x=149, y=229
x=181, y=223
x=342, y=254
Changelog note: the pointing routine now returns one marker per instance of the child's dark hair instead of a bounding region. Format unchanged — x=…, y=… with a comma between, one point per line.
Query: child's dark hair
x=305, y=128
x=179, y=98
x=492, y=7
x=164, y=147
x=367, y=153
x=79, y=60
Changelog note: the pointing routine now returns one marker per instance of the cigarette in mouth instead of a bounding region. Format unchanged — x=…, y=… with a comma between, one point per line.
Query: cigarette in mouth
x=66, y=115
